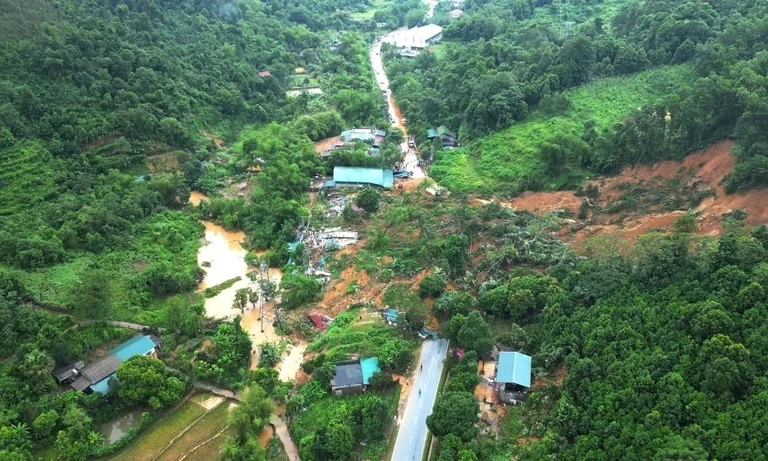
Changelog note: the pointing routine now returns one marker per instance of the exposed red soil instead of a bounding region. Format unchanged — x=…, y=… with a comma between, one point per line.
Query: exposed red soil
x=216, y=140
x=704, y=169
x=336, y=298
x=325, y=144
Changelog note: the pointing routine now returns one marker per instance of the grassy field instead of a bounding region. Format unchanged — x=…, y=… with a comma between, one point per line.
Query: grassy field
x=156, y=437
x=211, y=424
x=496, y=161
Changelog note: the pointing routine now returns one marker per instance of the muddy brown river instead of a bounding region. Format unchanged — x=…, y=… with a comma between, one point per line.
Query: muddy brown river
x=222, y=256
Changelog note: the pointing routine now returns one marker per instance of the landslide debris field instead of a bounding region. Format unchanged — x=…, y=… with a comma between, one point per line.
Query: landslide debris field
x=651, y=197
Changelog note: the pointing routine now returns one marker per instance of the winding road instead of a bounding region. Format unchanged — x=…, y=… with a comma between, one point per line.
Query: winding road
x=412, y=434
x=411, y=159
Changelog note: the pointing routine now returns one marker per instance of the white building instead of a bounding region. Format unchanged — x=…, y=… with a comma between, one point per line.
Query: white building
x=457, y=13
x=417, y=38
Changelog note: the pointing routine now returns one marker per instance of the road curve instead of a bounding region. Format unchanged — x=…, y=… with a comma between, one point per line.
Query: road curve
x=412, y=434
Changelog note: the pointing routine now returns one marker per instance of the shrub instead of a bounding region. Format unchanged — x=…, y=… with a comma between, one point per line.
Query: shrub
x=368, y=199
x=269, y=355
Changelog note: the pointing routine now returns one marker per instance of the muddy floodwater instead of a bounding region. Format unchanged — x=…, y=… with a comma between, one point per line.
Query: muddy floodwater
x=222, y=256
x=117, y=427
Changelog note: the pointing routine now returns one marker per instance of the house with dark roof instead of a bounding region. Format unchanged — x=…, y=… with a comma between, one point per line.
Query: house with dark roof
x=513, y=376
x=98, y=376
x=69, y=373
x=352, y=376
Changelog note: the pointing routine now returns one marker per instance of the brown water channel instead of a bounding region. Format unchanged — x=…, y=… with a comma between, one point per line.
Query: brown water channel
x=222, y=256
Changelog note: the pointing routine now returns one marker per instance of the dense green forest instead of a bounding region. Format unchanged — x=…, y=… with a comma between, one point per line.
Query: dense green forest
x=504, y=64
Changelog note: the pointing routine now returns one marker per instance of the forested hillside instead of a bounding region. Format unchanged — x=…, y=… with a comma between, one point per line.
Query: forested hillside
x=110, y=113
x=501, y=67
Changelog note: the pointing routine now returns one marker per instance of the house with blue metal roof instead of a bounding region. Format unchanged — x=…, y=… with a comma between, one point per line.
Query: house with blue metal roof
x=99, y=376
x=513, y=376
x=345, y=176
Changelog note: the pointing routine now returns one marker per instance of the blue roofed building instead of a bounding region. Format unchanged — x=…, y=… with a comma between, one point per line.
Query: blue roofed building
x=370, y=367
x=138, y=345
x=513, y=376
x=345, y=176
x=99, y=376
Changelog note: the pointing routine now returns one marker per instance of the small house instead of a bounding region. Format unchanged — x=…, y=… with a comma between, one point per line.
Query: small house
x=448, y=137
x=264, y=74
x=319, y=320
x=513, y=376
x=353, y=375
x=431, y=134
x=457, y=13
x=347, y=378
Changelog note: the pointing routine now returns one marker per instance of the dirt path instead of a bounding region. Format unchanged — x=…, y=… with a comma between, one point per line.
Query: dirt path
x=281, y=429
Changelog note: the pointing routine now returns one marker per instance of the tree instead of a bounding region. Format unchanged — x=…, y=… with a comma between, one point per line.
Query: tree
x=269, y=355
x=470, y=332
x=370, y=415
x=415, y=318
x=395, y=355
x=456, y=253
x=250, y=417
x=268, y=289
x=432, y=285
x=455, y=413
x=240, y=302
x=298, y=289
x=266, y=378
x=6, y=138
x=453, y=303
x=381, y=380
x=368, y=199
x=144, y=379
x=93, y=297
x=45, y=423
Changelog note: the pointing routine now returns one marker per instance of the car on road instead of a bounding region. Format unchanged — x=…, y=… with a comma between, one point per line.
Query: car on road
x=411, y=142
x=405, y=121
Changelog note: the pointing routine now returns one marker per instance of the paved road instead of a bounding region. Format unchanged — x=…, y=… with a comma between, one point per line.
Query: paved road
x=412, y=434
